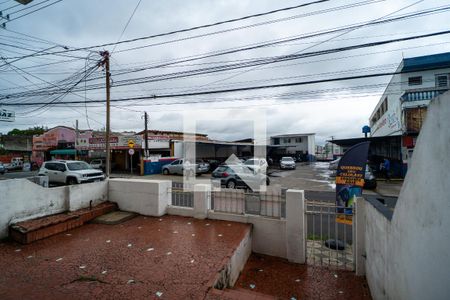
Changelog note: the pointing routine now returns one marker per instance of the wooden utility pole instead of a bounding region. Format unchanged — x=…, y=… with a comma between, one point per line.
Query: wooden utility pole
x=77, y=135
x=146, y=134
x=105, y=62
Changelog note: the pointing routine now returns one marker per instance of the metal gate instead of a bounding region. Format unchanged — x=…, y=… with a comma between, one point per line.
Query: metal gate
x=328, y=243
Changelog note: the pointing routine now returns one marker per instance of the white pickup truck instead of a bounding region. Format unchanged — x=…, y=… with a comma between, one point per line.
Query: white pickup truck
x=16, y=164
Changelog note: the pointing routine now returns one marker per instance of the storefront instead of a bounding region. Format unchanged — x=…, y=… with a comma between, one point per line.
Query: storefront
x=121, y=160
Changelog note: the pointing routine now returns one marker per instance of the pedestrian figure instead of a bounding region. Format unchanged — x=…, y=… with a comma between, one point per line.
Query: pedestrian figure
x=387, y=169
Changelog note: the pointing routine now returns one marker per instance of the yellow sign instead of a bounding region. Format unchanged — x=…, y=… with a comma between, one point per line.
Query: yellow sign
x=131, y=143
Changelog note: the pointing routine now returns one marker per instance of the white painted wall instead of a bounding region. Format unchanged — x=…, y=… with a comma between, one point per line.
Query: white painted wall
x=21, y=200
x=409, y=258
x=81, y=195
x=377, y=233
x=269, y=235
x=146, y=197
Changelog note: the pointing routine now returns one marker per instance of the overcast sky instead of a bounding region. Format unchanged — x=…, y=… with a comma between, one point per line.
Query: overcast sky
x=338, y=109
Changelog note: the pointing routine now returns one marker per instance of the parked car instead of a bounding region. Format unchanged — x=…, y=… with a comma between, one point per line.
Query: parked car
x=334, y=164
x=287, y=162
x=16, y=164
x=370, y=181
x=2, y=168
x=178, y=166
x=98, y=164
x=257, y=164
x=70, y=172
x=234, y=176
x=213, y=164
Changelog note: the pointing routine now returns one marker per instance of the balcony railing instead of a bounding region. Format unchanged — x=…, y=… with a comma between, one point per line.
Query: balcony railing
x=421, y=95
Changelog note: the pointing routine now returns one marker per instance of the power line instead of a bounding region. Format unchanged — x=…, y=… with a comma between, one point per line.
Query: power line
x=222, y=91
x=201, y=26
x=28, y=13
x=183, y=74
x=126, y=25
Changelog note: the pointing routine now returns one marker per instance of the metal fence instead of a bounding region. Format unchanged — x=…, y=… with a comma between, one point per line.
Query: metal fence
x=228, y=200
x=182, y=198
x=328, y=243
x=182, y=185
x=271, y=203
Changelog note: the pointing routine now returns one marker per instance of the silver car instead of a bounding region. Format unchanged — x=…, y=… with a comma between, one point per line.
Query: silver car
x=287, y=162
x=180, y=165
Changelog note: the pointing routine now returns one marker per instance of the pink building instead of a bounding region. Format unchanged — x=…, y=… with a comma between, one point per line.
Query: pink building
x=57, y=142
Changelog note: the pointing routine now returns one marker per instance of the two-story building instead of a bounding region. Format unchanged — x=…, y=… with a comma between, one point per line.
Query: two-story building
x=398, y=116
x=300, y=145
x=403, y=105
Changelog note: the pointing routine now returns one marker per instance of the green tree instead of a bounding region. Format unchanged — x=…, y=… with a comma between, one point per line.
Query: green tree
x=30, y=131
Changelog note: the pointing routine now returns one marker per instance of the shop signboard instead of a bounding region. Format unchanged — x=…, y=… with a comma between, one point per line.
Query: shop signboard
x=7, y=115
x=158, y=142
x=350, y=181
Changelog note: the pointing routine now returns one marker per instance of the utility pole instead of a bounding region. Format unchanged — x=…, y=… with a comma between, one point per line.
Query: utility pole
x=332, y=147
x=146, y=134
x=105, y=62
x=77, y=135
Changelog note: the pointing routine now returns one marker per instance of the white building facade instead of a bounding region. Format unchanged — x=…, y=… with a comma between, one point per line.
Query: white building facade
x=403, y=106
x=299, y=145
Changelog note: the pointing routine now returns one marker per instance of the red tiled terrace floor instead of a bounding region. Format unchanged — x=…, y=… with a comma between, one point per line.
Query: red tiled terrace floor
x=178, y=257
x=277, y=277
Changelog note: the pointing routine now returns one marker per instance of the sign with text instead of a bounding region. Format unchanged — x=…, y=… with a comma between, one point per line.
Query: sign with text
x=350, y=180
x=157, y=142
x=7, y=115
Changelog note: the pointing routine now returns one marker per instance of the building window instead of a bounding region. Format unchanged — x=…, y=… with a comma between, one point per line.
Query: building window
x=276, y=141
x=442, y=80
x=287, y=140
x=298, y=140
x=416, y=80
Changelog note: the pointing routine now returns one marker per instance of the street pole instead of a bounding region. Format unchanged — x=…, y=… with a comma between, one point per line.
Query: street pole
x=146, y=134
x=77, y=135
x=332, y=147
x=105, y=55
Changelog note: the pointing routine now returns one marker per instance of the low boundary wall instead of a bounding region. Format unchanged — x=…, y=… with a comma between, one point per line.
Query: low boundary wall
x=21, y=199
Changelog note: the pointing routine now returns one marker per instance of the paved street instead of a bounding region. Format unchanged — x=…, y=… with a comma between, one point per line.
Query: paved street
x=309, y=177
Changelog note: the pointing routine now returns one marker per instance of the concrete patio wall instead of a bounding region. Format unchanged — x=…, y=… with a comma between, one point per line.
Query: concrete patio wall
x=271, y=236
x=21, y=199
x=408, y=257
x=81, y=195
x=146, y=197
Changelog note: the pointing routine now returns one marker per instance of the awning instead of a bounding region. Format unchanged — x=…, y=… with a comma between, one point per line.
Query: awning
x=63, y=152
